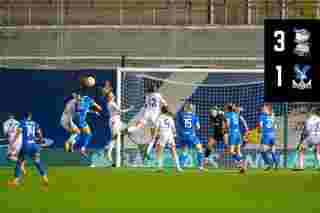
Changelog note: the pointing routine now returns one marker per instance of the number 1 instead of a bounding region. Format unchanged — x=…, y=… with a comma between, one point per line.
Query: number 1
x=279, y=75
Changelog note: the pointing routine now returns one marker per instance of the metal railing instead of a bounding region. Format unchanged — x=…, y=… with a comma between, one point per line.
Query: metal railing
x=156, y=12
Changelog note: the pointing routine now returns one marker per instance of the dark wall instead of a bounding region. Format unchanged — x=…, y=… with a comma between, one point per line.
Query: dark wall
x=44, y=92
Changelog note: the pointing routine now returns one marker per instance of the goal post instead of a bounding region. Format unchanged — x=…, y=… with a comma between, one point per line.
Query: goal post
x=204, y=88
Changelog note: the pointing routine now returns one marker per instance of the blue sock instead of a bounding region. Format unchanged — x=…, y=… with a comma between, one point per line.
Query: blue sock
x=200, y=157
x=87, y=139
x=265, y=158
x=274, y=158
x=236, y=157
x=183, y=158
x=17, y=171
x=39, y=167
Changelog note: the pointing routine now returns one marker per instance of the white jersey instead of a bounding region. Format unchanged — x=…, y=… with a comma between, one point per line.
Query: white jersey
x=10, y=128
x=67, y=115
x=115, y=112
x=114, y=109
x=153, y=102
x=166, y=128
x=312, y=126
x=70, y=108
x=151, y=110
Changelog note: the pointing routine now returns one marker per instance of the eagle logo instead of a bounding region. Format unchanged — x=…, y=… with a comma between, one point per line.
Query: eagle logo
x=301, y=77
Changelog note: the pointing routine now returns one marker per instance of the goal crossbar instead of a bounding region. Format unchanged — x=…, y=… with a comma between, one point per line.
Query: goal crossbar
x=191, y=70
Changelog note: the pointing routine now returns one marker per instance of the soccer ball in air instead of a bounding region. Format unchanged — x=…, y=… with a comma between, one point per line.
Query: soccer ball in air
x=91, y=81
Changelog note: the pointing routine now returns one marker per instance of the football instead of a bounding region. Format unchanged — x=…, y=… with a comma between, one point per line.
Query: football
x=91, y=81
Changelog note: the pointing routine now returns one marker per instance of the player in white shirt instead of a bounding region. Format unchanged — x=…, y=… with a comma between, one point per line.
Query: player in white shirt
x=116, y=123
x=165, y=135
x=10, y=127
x=10, y=130
x=149, y=115
x=67, y=123
x=310, y=137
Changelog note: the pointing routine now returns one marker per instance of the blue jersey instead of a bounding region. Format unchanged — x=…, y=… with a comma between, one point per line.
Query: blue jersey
x=81, y=110
x=233, y=120
x=187, y=123
x=266, y=124
x=29, y=131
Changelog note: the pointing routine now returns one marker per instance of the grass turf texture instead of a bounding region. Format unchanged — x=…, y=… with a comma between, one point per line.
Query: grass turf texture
x=106, y=190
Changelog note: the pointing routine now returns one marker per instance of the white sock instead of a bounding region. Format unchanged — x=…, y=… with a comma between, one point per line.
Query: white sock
x=177, y=163
x=72, y=138
x=111, y=145
x=150, y=146
x=301, y=160
x=160, y=163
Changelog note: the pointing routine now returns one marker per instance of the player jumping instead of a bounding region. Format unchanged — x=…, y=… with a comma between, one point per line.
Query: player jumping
x=148, y=116
x=268, y=137
x=165, y=134
x=310, y=137
x=31, y=137
x=187, y=124
x=83, y=105
x=234, y=135
x=68, y=124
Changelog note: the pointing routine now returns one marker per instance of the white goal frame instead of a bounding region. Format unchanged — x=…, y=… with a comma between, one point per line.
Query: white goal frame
x=121, y=70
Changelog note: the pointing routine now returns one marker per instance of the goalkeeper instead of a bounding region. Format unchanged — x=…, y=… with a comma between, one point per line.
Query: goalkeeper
x=217, y=125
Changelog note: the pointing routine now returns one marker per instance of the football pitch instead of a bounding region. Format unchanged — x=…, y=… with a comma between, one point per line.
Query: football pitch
x=79, y=190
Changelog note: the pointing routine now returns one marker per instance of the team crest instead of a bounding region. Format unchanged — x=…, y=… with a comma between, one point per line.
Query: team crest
x=302, y=37
x=302, y=80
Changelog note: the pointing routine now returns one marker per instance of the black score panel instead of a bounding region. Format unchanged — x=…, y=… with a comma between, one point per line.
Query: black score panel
x=291, y=60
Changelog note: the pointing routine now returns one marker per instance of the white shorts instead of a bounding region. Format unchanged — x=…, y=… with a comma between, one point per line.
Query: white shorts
x=166, y=140
x=312, y=140
x=116, y=124
x=67, y=123
x=149, y=118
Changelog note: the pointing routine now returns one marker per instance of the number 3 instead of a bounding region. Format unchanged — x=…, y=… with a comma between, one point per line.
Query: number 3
x=279, y=47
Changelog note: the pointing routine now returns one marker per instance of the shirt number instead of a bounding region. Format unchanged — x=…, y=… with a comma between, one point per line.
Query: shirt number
x=188, y=123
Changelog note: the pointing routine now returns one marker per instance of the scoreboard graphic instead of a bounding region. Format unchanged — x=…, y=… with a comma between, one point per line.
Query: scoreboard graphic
x=292, y=64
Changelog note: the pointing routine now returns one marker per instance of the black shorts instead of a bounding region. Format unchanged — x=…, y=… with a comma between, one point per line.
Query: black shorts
x=216, y=137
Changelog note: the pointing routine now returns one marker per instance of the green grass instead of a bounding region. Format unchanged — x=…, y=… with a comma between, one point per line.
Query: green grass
x=142, y=190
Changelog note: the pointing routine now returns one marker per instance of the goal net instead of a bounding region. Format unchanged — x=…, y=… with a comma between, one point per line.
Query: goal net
x=205, y=89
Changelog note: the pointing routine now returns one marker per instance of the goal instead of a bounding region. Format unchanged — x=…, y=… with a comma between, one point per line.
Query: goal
x=204, y=88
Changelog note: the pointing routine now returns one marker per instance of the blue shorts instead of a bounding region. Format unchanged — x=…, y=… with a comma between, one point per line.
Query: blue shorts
x=234, y=139
x=29, y=149
x=189, y=141
x=81, y=123
x=268, y=140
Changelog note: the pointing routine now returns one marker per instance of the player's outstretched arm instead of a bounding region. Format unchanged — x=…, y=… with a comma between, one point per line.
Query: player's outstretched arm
x=39, y=135
x=97, y=107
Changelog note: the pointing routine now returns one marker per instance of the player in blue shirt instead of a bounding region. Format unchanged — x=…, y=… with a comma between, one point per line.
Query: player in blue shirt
x=84, y=105
x=268, y=136
x=234, y=134
x=187, y=123
x=31, y=137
